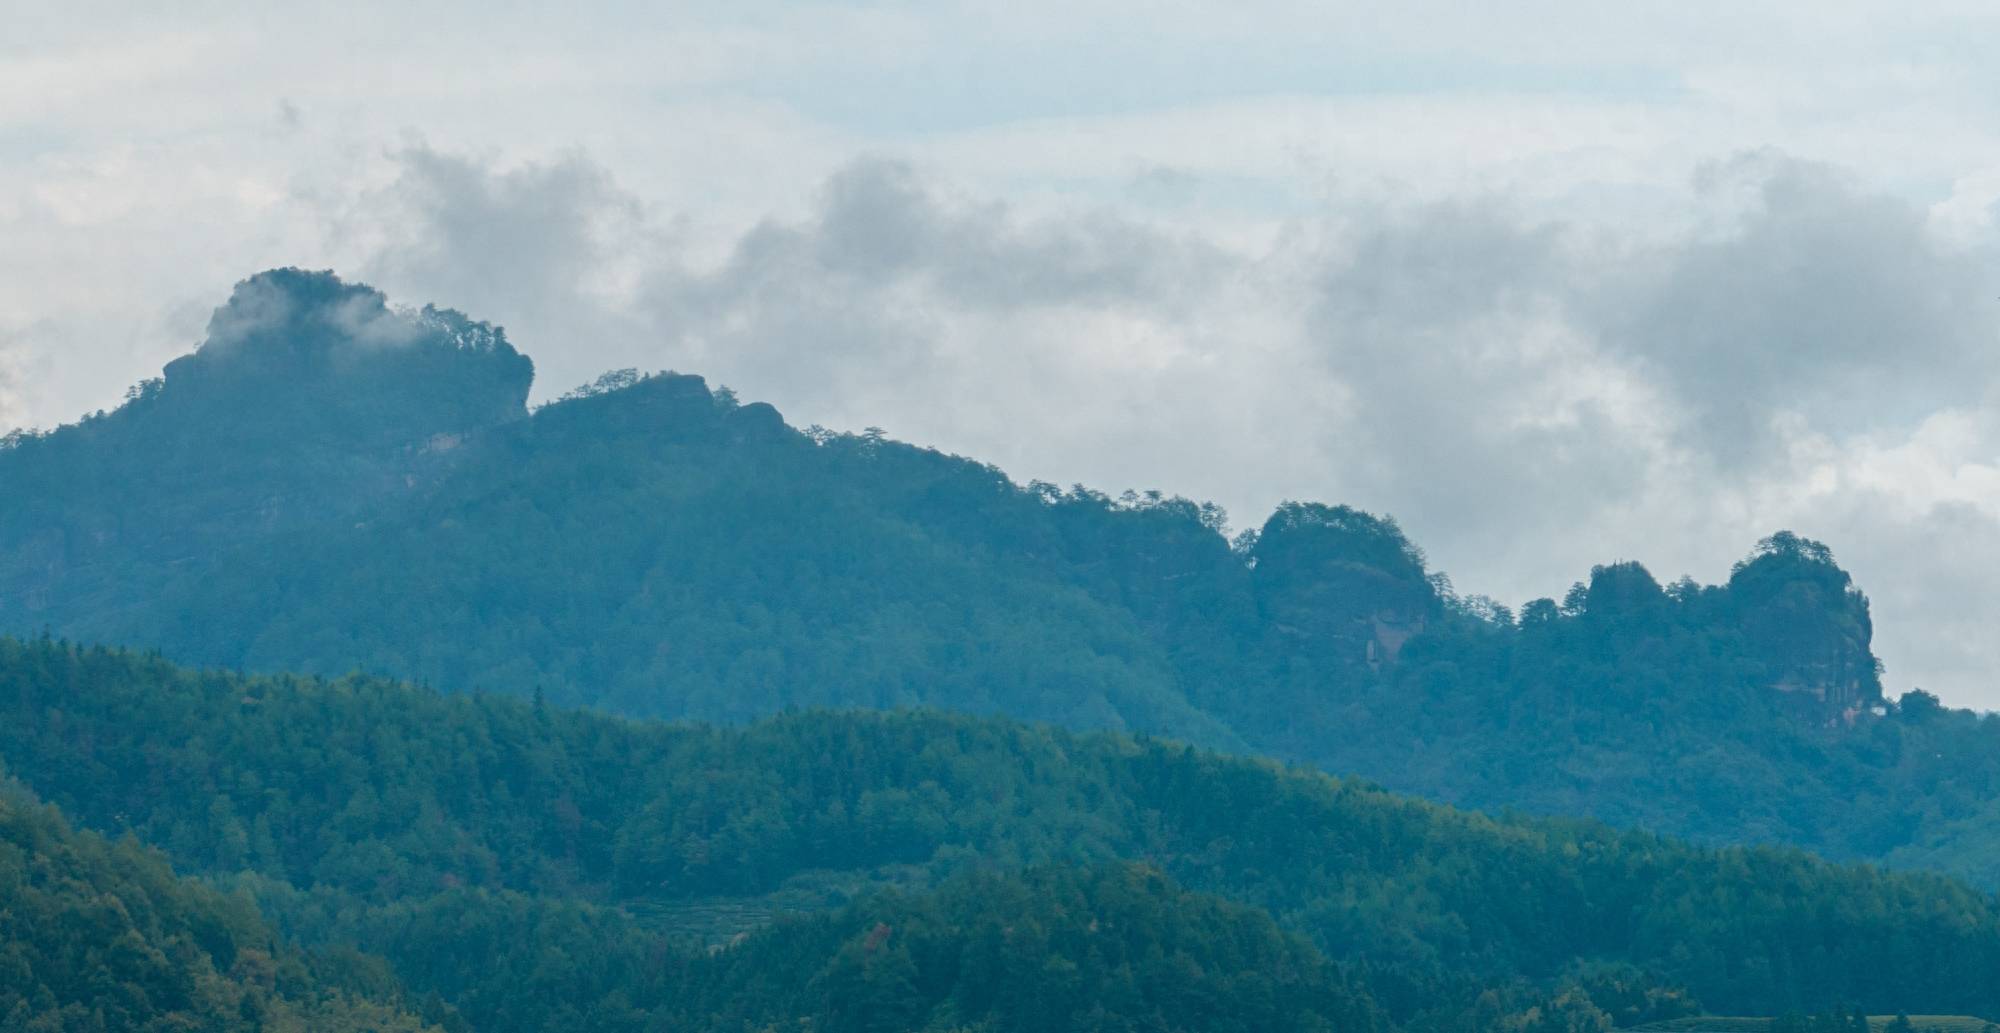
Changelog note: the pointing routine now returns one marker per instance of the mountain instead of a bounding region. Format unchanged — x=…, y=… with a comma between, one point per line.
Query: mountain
x=329, y=484
x=538, y=867
x=97, y=935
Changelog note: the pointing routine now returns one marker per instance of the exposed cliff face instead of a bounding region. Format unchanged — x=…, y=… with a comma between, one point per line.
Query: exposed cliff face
x=1794, y=610
x=1801, y=614
x=1336, y=579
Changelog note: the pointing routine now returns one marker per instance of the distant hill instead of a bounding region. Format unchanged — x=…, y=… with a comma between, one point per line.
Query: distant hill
x=330, y=485
x=536, y=867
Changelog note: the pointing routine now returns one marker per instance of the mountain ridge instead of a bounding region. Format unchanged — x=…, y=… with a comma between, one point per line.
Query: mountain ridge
x=653, y=547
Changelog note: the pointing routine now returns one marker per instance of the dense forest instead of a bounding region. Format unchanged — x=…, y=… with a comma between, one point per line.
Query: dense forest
x=542, y=867
x=101, y=936
x=329, y=485
x=1111, y=949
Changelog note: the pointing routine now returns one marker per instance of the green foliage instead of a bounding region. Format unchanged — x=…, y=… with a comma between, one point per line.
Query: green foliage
x=487, y=847
x=1113, y=948
x=97, y=936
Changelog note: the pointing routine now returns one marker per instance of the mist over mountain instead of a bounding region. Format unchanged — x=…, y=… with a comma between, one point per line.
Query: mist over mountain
x=330, y=484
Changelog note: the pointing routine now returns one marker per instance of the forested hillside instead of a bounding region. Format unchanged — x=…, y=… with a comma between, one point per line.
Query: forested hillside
x=1112, y=949
x=330, y=485
x=532, y=864
x=102, y=936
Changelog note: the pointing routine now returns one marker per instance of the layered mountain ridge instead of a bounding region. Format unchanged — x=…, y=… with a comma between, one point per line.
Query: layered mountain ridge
x=329, y=484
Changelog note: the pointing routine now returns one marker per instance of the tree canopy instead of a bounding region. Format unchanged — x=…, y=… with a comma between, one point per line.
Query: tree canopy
x=488, y=846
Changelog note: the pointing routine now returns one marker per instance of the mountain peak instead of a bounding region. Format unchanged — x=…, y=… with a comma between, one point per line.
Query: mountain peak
x=1803, y=614
x=294, y=346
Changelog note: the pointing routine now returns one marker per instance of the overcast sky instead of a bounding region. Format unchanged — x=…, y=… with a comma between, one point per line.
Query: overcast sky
x=1552, y=283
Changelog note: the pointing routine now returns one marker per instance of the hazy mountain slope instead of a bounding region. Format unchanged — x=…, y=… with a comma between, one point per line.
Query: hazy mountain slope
x=327, y=486
x=659, y=551
x=369, y=795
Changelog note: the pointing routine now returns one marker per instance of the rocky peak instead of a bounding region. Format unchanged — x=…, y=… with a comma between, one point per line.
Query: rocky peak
x=299, y=353
x=1804, y=618
x=1340, y=577
x=309, y=399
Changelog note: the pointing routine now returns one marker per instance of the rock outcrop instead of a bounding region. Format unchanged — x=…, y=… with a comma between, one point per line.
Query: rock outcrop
x=1334, y=578
x=1804, y=618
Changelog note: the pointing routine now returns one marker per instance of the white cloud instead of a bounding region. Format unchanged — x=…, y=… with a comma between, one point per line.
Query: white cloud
x=12, y=364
